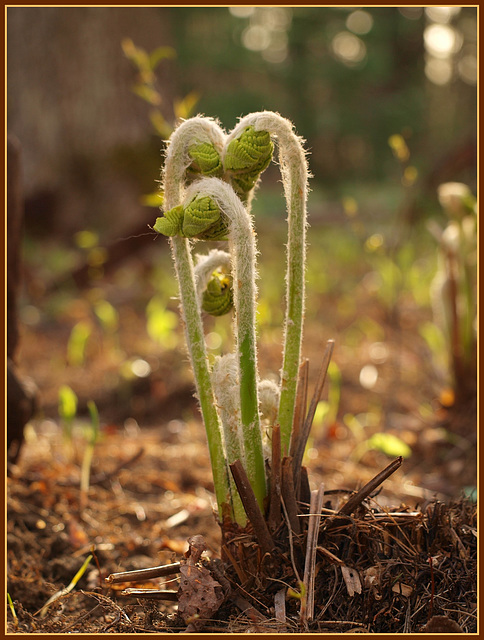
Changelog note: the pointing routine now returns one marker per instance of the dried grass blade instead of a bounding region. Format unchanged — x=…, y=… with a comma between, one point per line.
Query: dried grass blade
x=280, y=605
x=317, y=498
x=302, y=439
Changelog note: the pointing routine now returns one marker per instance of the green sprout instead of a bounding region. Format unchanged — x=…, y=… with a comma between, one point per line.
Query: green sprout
x=63, y=592
x=12, y=610
x=92, y=436
x=67, y=410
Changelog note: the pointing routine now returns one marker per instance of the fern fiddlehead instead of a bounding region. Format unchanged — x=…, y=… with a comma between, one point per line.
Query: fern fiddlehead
x=201, y=218
x=246, y=157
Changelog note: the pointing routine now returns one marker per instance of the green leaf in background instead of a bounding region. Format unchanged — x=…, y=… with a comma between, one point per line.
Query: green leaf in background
x=160, y=125
x=154, y=199
x=76, y=346
x=184, y=108
x=86, y=239
x=107, y=315
x=436, y=341
x=147, y=93
x=389, y=444
x=94, y=415
x=161, y=323
x=67, y=403
x=159, y=54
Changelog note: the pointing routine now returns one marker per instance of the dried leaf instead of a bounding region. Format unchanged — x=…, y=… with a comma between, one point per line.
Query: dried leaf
x=199, y=595
x=402, y=589
x=352, y=580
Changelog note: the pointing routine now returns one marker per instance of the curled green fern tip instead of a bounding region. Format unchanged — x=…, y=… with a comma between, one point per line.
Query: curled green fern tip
x=205, y=160
x=201, y=219
x=204, y=220
x=218, y=299
x=247, y=157
x=170, y=223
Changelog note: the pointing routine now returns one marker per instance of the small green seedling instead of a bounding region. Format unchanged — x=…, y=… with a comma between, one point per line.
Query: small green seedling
x=92, y=436
x=12, y=610
x=62, y=592
x=209, y=180
x=67, y=413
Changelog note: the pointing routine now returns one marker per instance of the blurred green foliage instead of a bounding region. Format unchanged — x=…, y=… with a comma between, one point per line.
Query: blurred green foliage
x=350, y=78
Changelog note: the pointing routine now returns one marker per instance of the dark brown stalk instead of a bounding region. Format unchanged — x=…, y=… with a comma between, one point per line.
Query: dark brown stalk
x=302, y=439
x=304, y=494
x=300, y=407
x=289, y=495
x=144, y=574
x=369, y=487
x=274, y=518
x=251, y=507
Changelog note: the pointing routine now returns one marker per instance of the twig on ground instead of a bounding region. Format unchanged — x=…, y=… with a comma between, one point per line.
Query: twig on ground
x=144, y=574
x=152, y=594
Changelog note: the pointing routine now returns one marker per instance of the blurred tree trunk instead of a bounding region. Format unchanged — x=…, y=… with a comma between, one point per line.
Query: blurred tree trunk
x=21, y=392
x=85, y=135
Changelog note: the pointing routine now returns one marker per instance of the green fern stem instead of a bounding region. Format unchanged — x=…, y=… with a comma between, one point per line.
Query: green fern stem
x=192, y=132
x=243, y=252
x=294, y=173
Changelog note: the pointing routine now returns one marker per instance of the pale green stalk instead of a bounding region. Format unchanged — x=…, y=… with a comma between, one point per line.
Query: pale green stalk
x=89, y=451
x=226, y=386
x=294, y=172
x=177, y=160
x=243, y=253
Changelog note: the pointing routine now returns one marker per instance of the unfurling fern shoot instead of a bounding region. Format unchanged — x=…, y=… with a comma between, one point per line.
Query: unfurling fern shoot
x=209, y=181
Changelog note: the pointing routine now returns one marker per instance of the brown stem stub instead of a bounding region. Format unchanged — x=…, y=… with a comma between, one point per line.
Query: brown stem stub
x=369, y=487
x=251, y=507
x=289, y=495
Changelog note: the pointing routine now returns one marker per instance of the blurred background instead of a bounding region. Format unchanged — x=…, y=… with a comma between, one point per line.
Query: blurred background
x=386, y=100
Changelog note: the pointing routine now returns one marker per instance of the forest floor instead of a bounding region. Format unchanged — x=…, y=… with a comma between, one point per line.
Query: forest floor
x=151, y=486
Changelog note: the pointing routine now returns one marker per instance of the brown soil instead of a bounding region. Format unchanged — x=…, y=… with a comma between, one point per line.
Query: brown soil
x=151, y=490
